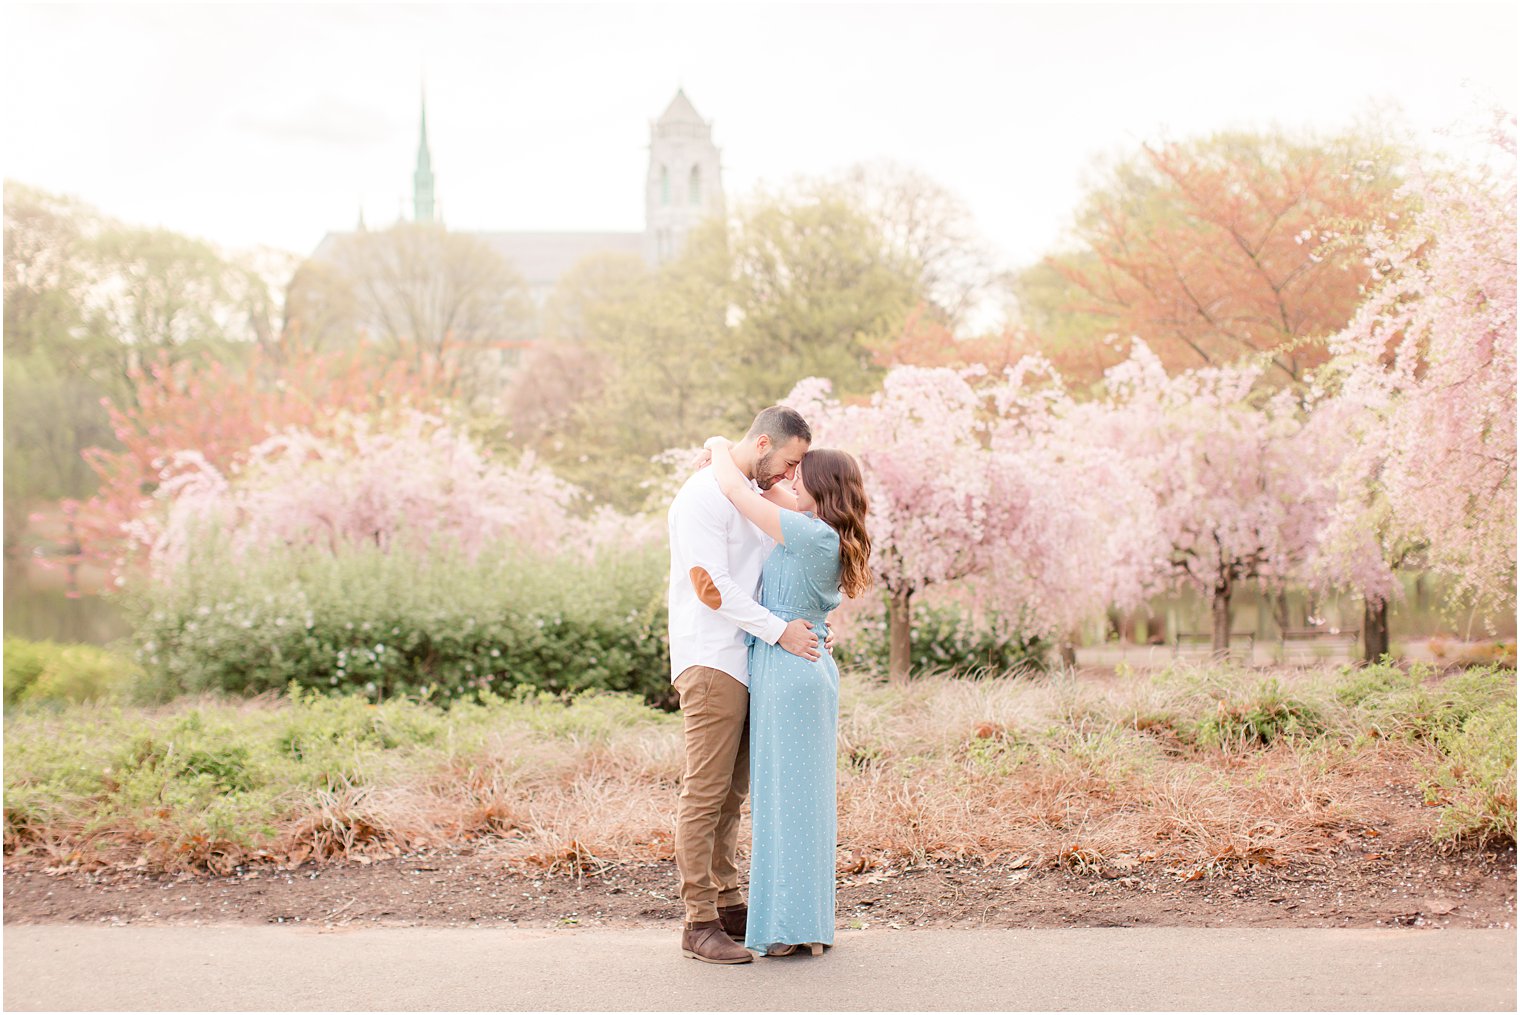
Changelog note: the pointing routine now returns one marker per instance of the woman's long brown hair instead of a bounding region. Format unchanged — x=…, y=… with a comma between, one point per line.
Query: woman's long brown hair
x=833, y=478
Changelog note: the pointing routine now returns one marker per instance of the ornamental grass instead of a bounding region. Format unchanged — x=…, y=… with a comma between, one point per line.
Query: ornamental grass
x=1194, y=770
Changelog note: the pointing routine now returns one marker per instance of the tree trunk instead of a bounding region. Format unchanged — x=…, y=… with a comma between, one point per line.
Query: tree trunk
x=899, y=626
x=1280, y=612
x=1374, y=629
x=1069, y=649
x=1221, y=607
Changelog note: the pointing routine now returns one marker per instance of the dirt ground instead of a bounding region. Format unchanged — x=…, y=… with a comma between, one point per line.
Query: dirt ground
x=1412, y=884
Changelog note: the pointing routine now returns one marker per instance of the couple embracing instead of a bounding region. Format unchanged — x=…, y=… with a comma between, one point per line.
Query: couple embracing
x=764, y=542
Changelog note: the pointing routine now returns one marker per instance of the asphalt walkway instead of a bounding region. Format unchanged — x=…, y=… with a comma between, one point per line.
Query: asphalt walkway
x=57, y=966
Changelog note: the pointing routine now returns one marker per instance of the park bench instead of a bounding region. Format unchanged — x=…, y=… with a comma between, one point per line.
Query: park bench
x=1315, y=643
x=1197, y=645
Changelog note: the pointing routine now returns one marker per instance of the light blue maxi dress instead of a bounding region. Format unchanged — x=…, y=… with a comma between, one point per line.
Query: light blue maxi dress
x=793, y=731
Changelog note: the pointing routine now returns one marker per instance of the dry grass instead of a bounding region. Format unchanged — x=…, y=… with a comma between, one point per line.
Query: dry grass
x=1195, y=770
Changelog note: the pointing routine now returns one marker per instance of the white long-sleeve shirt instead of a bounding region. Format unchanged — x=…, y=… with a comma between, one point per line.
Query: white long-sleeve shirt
x=716, y=556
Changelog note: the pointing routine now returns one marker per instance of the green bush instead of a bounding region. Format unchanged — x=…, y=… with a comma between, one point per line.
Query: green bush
x=436, y=624
x=45, y=671
x=1359, y=684
x=1476, y=783
x=1469, y=717
x=1259, y=719
x=24, y=662
x=945, y=638
x=1418, y=704
x=423, y=624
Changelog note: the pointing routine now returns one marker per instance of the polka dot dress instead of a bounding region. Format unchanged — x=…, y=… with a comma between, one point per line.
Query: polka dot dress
x=793, y=728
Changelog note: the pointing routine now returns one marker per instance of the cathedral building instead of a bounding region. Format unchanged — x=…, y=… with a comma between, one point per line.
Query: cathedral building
x=683, y=186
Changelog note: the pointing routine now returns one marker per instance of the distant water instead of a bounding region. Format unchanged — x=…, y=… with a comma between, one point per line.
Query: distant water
x=38, y=606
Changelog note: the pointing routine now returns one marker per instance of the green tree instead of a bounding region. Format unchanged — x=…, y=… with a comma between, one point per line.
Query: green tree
x=47, y=238
x=663, y=356
x=86, y=299
x=568, y=367
x=58, y=363
x=784, y=289
x=51, y=415
x=816, y=287
x=160, y=291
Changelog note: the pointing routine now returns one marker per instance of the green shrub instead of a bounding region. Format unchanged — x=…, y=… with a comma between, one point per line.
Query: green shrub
x=437, y=625
x=44, y=671
x=945, y=638
x=1419, y=704
x=429, y=625
x=1476, y=784
x=24, y=662
x=1357, y=684
x=1469, y=717
x=1259, y=719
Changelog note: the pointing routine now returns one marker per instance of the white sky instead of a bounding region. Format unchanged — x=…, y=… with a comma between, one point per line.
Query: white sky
x=270, y=124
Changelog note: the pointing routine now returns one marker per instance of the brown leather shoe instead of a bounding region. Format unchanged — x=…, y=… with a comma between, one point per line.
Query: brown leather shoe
x=706, y=941
x=735, y=920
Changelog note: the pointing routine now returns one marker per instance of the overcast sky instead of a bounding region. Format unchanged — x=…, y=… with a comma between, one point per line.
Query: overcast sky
x=272, y=124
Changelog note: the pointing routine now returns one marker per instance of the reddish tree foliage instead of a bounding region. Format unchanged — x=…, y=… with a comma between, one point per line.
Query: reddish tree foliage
x=1235, y=247
x=926, y=342
x=221, y=411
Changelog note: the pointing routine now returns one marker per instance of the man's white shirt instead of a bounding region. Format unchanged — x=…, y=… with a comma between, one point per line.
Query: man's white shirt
x=710, y=536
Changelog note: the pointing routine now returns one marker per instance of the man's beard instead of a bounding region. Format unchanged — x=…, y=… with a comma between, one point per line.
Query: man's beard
x=763, y=477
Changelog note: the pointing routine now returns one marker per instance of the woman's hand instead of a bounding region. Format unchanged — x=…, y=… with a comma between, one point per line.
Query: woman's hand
x=702, y=460
x=735, y=485
x=730, y=479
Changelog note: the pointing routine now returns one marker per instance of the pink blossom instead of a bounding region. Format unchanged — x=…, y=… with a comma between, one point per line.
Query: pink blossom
x=418, y=482
x=1424, y=378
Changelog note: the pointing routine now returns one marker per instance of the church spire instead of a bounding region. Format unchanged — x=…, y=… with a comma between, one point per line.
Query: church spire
x=422, y=179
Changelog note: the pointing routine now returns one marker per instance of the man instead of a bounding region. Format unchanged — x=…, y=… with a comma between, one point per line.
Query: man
x=715, y=561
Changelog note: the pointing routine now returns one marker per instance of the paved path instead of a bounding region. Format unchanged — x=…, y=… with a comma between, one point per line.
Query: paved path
x=283, y=968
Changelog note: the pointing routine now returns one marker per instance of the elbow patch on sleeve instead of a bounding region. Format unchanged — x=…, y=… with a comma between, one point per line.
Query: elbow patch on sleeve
x=707, y=592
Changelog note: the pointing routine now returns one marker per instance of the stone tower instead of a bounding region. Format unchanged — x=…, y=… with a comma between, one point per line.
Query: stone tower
x=422, y=179
x=685, y=183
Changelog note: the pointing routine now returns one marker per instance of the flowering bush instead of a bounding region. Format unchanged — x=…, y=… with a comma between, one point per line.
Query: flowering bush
x=394, y=559
x=298, y=488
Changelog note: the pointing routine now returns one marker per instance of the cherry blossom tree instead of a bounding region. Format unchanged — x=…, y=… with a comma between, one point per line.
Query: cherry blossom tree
x=1240, y=493
x=1427, y=368
x=412, y=484
x=218, y=411
x=928, y=481
x=974, y=477
x=1097, y=543
x=1361, y=545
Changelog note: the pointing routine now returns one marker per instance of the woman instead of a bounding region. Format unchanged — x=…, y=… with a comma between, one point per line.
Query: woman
x=822, y=550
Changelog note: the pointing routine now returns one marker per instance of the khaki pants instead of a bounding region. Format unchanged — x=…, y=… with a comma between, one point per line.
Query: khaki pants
x=714, y=783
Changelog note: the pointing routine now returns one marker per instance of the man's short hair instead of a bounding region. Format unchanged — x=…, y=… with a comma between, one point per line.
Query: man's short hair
x=781, y=424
